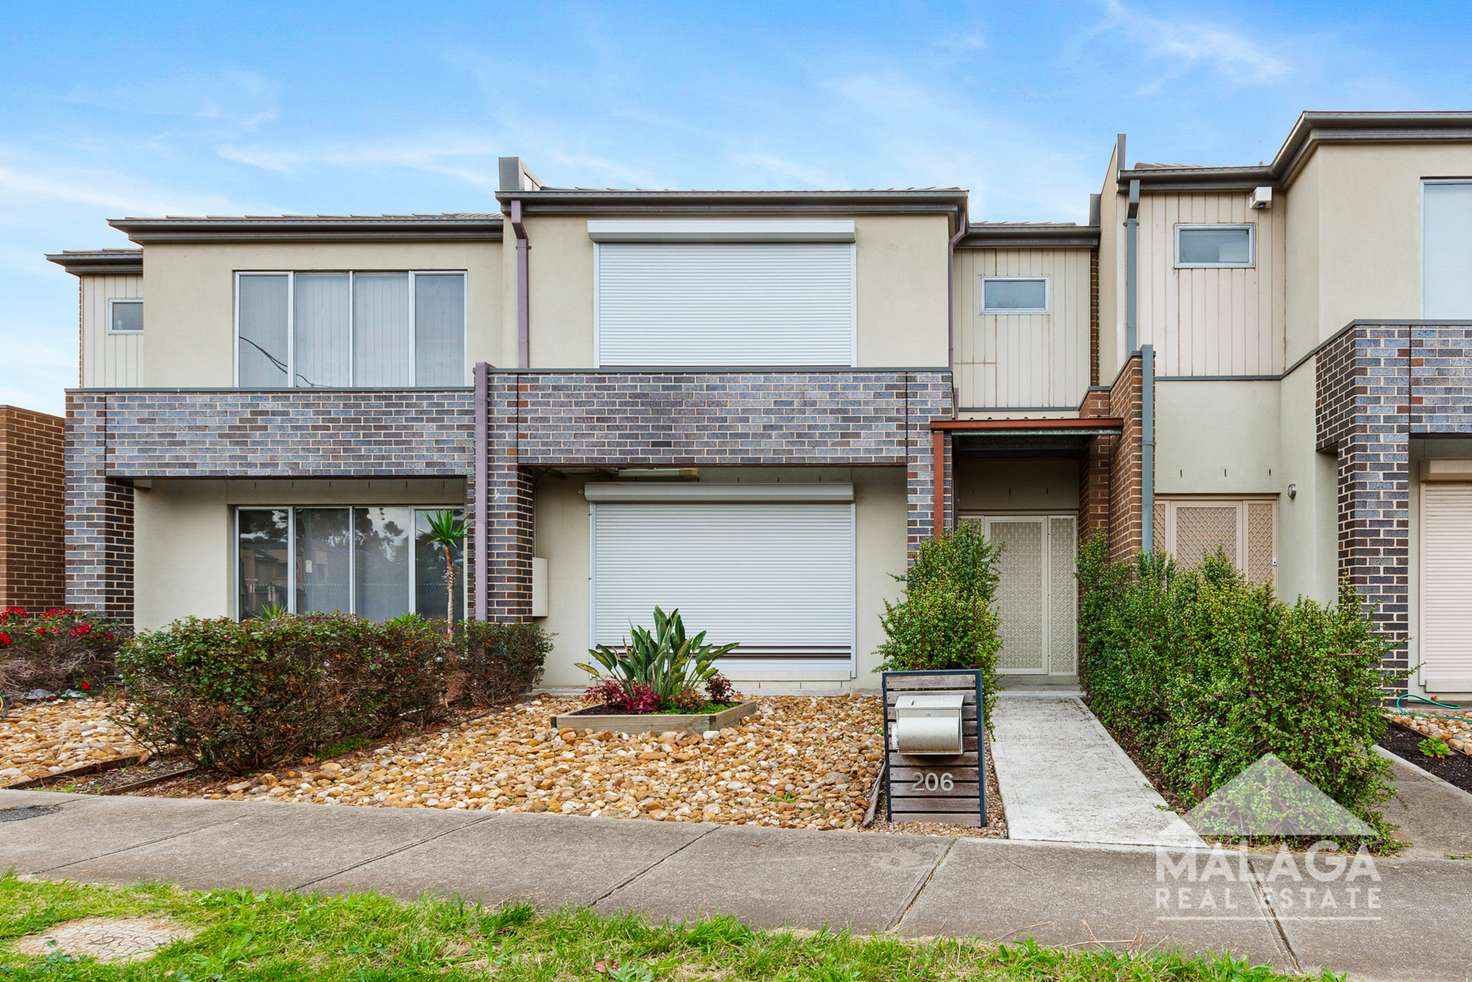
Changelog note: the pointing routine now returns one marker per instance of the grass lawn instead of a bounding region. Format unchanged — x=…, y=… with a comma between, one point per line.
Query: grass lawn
x=247, y=935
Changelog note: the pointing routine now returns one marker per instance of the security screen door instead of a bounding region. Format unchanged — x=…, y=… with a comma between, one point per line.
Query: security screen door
x=1037, y=596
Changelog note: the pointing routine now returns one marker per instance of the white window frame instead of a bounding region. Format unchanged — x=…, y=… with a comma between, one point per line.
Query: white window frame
x=117, y=300
x=1006, y=311
x=1218, y=226
x=291, y=275
x=1421, y=237
x=352, y=553
x=853, y=330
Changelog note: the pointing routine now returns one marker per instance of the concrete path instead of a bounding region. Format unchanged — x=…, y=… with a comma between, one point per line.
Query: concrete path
x=867, y=882
x=1064, y=779
x=1431, y=814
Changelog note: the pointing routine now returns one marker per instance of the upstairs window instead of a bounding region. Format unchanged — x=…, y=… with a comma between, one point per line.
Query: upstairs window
x=1446, y=250
x=125, y=316
x=318, y=329
x=1213, y=246
x=1014, y=295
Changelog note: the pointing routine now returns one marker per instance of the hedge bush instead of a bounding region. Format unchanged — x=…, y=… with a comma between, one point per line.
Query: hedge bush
x=238, y=696
x=1206, y=673
x=946, y=619
x=499, y=662
x=56, y=649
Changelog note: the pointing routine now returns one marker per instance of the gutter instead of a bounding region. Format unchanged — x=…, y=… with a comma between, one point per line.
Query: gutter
x=962, y=229
x=523, y=288
x=1131, y=266
x=1147, y=447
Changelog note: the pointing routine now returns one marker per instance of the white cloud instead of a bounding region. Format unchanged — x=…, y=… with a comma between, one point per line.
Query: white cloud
x=806, y=175
x=1185, y=43
x=238, y=99
x=464, y=158
x=109, y=192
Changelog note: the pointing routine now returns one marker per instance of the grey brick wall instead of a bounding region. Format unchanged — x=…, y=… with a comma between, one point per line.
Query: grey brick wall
x=1377, y=386
x=533, y=420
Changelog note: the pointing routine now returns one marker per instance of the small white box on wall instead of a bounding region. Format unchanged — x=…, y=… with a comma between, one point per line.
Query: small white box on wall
x=539, y=587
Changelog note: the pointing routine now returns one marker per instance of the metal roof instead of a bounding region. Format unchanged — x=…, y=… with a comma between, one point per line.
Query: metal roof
x=285, y=228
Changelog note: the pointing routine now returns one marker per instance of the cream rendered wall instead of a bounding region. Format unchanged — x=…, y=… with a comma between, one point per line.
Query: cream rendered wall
x=992, y=487
x=1308, y=524
x=1211, y=321
x=1368, y=231
x=110, y=360
x=190, y=314
x=1302, y=265
x=901, y=290
x=183, y=533
x=562, y=520
x=1217, y=437
x=1023, y=360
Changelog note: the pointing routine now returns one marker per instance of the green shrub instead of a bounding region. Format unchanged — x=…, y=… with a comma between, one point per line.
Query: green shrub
x=243, y=695
x=1205, y=673
x=655, y=668
x=56, y=649
x=499, y=662
x=946, y=619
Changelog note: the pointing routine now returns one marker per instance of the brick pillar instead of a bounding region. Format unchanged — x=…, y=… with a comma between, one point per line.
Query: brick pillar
x=1126, y=523
x=99, y=515
x=510, y=506
x=928, y=396
x=1373, y=400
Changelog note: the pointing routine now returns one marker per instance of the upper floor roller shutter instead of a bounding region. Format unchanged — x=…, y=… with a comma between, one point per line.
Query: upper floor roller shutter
x=701, y=304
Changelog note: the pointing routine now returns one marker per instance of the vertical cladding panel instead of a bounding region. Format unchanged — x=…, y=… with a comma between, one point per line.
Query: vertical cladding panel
x=1016, y=360
x=1211, y=321
x=110, y=360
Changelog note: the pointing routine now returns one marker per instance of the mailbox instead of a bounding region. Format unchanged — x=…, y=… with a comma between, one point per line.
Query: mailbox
x=928, y=723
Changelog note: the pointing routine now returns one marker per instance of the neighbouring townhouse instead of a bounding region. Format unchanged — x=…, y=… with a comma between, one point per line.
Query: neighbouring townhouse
x=753, y=405
x=31, y=570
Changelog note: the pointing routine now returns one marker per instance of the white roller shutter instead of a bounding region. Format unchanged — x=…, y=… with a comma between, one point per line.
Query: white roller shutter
x=1446, y=587
x=776, y=578
x=714, y=304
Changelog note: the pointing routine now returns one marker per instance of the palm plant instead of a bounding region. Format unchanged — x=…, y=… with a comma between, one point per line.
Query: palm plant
x=665, y=661
x=447, y=530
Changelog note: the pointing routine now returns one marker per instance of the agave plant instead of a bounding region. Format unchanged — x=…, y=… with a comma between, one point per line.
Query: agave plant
x=666, y=661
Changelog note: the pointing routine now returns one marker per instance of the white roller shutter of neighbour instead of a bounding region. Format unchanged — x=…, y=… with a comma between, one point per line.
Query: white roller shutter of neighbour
x=714, y=304
x=1446, y=587
x=777, y=578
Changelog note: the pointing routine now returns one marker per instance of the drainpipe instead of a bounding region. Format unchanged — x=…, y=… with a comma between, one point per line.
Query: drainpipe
x=1131, y=272
x=962, y=221
x=1147, y=447
x=480, y=512
x=523, y=289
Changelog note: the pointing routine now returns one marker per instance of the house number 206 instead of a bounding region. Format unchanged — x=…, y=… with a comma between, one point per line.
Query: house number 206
x=930, y=781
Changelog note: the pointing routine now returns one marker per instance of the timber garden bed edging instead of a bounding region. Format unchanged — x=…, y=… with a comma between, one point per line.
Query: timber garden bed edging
x=614, y=722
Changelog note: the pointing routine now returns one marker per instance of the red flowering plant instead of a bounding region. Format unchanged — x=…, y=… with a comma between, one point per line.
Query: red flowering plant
x=655, y=670
x=56, y=649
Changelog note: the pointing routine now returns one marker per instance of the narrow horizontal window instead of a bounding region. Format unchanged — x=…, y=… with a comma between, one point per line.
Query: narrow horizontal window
x=1014, y=295
x=1214, y=245
x=125, y=316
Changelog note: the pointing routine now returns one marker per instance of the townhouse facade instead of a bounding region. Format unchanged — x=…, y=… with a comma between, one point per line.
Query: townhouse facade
x=755, y=405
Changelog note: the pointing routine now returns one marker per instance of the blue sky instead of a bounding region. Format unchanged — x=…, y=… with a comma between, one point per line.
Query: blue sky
x=332, y=108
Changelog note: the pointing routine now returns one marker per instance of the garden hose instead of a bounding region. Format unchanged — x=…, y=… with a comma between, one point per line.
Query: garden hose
x=1400, y=707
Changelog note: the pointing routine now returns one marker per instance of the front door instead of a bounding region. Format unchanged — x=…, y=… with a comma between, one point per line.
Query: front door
x=1037, y=594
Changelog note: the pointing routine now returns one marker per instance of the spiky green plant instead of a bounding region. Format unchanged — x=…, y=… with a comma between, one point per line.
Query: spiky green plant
x=665, y=660
x=447, y=530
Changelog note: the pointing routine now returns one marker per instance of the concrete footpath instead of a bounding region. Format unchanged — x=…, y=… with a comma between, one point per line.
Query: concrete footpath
x=866, y=882
x=1064, y=779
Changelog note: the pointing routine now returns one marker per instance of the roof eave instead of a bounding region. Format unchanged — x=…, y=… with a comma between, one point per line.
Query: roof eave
x=149, y=230
x=1035, y=237
x=548, y=202
x=83, y=265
